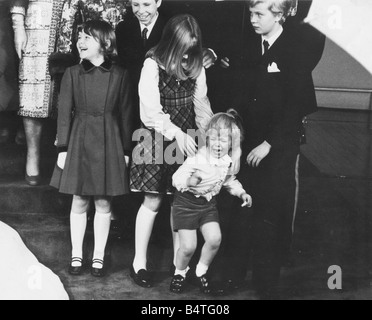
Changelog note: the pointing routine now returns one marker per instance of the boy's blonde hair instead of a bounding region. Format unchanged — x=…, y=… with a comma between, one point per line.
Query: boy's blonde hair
x=284, y=7
x=181, y=36
x=232, y=123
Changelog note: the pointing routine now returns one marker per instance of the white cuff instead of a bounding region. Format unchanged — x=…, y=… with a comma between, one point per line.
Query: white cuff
x=214, y=53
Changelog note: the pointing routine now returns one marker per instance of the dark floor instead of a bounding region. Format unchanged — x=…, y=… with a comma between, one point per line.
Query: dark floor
x=332, y=227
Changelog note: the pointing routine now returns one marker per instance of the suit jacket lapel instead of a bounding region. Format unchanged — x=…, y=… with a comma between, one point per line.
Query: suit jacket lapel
x=274, y=51
x=258, y=47
x=154, y=36
x=156, y=32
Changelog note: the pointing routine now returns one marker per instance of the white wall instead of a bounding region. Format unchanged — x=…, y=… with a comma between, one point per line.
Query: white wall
x=341, y=73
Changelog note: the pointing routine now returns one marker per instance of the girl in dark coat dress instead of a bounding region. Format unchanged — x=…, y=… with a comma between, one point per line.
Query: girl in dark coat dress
x=93, y=136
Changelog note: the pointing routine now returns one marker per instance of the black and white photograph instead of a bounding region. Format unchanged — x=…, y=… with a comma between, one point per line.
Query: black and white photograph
x=185, y=156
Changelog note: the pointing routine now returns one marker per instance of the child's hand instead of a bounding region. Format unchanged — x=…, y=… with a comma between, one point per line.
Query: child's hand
x=194, y=180
x=186, y=144
x=127, y=161
x=61, y=161
x=247, y=200
x=208, y=58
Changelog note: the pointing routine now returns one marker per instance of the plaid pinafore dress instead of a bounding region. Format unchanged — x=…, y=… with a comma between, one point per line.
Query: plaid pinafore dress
x=158, y=159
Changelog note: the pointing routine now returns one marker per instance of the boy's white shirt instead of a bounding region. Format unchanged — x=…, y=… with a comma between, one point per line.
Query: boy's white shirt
x=215, y=174
x=272, y=67
x=272, y=39
x=151, y=110
x=150, y=26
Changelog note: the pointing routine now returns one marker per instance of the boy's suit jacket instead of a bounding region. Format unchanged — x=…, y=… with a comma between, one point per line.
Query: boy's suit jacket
x=311, y=49
x=130, y=44
x=269, y=97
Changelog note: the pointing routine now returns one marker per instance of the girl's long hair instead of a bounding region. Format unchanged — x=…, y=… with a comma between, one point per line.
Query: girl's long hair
x=232, y=123
x=181, y=37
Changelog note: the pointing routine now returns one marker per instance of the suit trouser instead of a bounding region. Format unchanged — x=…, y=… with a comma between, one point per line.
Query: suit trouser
x=263, y=234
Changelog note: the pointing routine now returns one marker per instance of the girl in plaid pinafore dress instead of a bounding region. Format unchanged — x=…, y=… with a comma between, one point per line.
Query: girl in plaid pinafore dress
x=173, y=100
x=176, y=97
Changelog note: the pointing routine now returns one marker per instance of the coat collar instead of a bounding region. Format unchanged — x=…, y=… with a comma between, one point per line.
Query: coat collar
x=88, y=66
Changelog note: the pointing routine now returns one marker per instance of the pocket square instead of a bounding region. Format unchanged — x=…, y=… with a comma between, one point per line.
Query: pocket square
x=273, y=68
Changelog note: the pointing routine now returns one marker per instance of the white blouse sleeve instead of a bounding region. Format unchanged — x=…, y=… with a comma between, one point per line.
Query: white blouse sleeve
x=202, y=105
x=183, y=173
x=151, y=110
x=233, y=186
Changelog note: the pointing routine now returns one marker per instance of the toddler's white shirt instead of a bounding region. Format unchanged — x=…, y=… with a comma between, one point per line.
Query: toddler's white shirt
x=215, y=174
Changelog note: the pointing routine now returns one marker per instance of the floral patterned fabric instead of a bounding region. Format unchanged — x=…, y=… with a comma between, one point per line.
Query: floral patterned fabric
x=50, y=25
x=35, y=85
x=76, y=12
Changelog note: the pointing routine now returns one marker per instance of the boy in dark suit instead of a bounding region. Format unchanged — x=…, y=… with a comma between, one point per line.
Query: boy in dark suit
x=137, y=34
x=274, y=87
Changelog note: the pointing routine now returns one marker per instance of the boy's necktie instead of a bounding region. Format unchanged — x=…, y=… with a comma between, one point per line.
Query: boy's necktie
x=266, y=46
x=144, y=37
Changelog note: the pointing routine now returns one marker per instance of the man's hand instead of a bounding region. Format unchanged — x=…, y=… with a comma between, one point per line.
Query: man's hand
x=209, y=58
x=258, y=154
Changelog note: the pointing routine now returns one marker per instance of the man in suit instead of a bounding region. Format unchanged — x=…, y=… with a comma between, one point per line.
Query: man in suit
x=276, y=90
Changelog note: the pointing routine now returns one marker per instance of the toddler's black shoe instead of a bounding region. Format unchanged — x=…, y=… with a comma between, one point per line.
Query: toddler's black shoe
x=203, y=284
x=178, y=284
